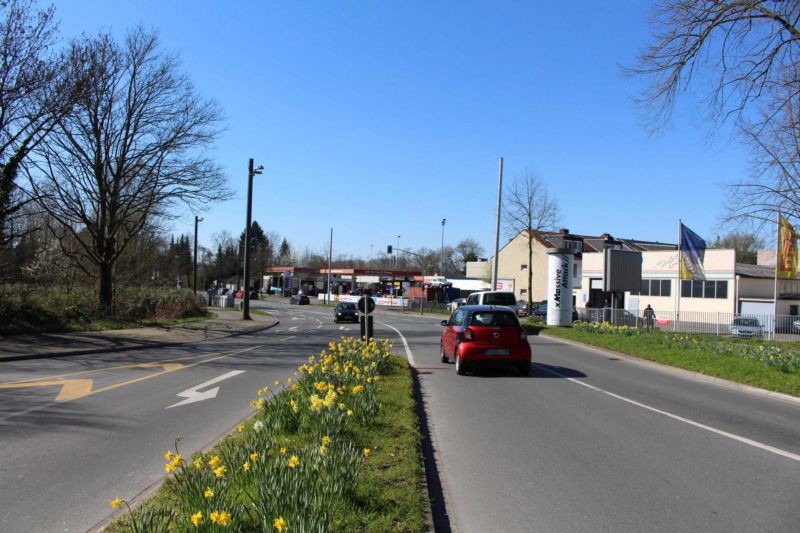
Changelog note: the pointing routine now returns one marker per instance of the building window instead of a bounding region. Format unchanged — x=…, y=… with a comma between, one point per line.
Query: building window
x=523, y=292
x=655, y=287
x=524, y=268
x=575, y=246
x=716, y=289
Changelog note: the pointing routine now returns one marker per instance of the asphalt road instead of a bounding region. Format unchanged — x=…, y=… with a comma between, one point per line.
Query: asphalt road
x=597, y=442
x=589, y=442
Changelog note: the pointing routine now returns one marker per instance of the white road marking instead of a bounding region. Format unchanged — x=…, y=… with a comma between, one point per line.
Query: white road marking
x=293, y=328
x=287, y=338
x=738, y=438
x=409, y=354
x=195, y=395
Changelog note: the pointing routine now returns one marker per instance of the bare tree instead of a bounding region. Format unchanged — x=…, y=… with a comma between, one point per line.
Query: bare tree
x=743, y=55
x=743, y=51
x=130, y=150
x=33, y=94
x=467, y=250
x=529, y=208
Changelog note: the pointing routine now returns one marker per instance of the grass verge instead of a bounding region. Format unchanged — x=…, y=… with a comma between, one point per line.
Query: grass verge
x=769, y=365
x=338, y=450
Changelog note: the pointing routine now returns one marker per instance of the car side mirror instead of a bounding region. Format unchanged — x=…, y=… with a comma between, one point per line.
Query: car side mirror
x=443, y=322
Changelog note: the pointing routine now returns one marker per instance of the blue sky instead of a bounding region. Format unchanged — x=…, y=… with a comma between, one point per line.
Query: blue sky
x=381, y=118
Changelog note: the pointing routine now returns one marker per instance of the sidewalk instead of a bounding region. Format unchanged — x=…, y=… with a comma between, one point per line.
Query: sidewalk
x=225, y=324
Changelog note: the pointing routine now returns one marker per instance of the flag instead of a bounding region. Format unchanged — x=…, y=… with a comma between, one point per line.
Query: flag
x=787, y=249
x=693, y=250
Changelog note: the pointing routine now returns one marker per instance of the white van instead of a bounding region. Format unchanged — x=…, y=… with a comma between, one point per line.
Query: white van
x=492, y=298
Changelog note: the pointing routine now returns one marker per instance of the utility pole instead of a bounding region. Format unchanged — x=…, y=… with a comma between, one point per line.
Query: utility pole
x=246, y=302
x=441, y=260
x=330, y=260
x=497, y=232
x=194, y=269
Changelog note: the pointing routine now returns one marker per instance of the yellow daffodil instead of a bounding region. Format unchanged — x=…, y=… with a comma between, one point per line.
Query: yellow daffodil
x=280, y=524
x=367, y=451
x=282, y=450
x=224, y=519
x=116, y=503
x=198, y=462
x=349, y=412
x=246, y=467
x=326, y=441
x=323, y=450
x=295, y=407
x=293, y=461
x=358, y=389
x=276, y=382
x=214, y=516
x=169, y=467
x=208, y=493
x=214, y=462
x=197, y=519
x=254, y=457
x=168, y=456
x=240, y=428
x=220, y=471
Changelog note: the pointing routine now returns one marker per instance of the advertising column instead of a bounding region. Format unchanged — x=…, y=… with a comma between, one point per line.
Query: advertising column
x=559, y=287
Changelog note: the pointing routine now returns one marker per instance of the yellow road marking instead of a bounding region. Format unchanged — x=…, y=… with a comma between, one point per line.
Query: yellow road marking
x=70, y=388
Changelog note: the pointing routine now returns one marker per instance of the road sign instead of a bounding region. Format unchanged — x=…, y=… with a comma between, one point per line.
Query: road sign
x=366, y=305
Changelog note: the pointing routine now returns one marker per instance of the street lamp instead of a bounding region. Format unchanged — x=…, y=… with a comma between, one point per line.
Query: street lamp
x=397, y=256
x=441, y=264
x=251, y=172
x=194, y=270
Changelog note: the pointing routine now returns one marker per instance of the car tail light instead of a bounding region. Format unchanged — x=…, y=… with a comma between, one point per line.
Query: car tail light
x=468, y=335
x=523, y=335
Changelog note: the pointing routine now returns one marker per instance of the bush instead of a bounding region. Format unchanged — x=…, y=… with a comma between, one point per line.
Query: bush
x=34, y=308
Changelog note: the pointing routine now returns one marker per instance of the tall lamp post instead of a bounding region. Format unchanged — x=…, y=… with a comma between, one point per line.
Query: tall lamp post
x=251, y=172
x=194, y=268
x=397, y=255
x=441, y=263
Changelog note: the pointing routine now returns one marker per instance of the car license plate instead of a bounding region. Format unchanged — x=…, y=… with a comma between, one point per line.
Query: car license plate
x=497, y=351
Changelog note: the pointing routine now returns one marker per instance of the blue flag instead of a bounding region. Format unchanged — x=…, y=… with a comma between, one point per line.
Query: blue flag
x=693, y=250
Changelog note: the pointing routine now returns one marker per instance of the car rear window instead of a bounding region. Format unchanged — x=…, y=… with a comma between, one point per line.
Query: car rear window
x=493, y=318
x=500, y=298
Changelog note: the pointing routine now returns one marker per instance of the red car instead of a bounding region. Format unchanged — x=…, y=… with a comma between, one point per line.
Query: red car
x=485, y=335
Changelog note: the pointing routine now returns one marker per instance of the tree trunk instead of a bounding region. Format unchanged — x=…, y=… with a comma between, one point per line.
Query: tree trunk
x=106, y=289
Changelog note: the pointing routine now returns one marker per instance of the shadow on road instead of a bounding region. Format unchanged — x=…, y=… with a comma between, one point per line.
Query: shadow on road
x=541, y=370
x=441, y=521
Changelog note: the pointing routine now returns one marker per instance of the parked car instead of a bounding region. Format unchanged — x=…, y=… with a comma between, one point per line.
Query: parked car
x=522, y=308
x=746, y=327
x=492, y=298
x=455, y=304
x=476, y=336
x=299, y=299
x=540, y=311
x=345, y=312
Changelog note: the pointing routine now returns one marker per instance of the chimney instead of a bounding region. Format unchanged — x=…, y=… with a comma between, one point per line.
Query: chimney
x=564, y=231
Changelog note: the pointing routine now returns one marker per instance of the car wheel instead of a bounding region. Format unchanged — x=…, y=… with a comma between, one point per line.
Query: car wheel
x=442, y=356
x=524, y=369
x=460, y=367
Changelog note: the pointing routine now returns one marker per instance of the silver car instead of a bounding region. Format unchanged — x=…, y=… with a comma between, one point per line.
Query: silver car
x=746, y=327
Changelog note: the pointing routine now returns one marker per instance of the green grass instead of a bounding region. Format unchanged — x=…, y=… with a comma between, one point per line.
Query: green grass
x=387, y=494
x=764, y=364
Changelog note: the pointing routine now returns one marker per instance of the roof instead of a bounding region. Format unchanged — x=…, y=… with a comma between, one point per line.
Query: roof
x=755, y=271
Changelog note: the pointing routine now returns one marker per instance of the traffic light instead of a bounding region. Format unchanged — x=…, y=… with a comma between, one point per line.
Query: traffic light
x=389, y=249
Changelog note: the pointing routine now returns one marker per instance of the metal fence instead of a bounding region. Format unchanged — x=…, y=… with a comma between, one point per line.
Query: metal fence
x=779, y=327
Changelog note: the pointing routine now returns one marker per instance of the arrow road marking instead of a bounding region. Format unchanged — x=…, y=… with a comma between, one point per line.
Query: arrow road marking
x=195, y=395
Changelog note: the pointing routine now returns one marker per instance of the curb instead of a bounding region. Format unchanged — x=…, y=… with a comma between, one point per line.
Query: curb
x=136, y=345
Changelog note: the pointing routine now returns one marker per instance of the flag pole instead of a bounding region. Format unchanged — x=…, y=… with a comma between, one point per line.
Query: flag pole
x=775, y=286
x=680, y=279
